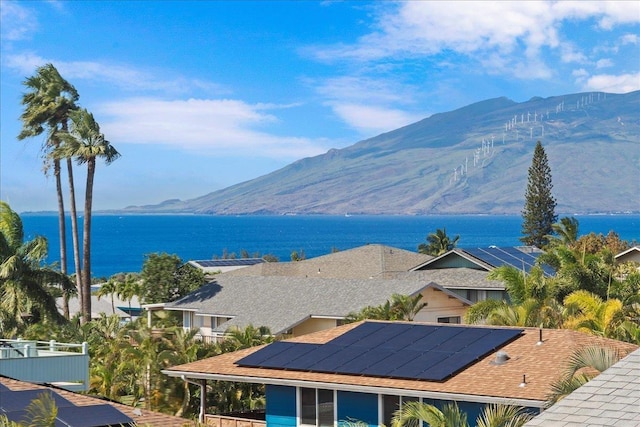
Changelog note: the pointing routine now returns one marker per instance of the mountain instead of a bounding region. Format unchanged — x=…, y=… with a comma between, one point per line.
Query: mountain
x=473, y=160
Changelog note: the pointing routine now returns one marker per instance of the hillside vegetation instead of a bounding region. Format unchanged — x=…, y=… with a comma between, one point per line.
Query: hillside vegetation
x=472, y=160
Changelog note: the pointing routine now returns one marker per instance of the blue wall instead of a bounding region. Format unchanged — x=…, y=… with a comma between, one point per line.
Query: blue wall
x=281, y=406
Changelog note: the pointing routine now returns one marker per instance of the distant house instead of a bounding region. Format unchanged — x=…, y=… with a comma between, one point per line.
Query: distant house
x=465, y=269
x=367, y=370
x=99, y=306
x=214, y=266
x=79, y=410
x=363, y=262
x=630, y=255
x=295, y=306
x=611, y=399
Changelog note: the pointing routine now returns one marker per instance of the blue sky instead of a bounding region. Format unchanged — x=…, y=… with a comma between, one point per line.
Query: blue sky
x=200, y=95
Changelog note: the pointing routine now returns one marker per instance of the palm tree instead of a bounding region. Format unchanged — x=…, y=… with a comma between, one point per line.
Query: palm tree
x=23, y=279
x=580, y=368
x=588, y=312
x=47, y=105
x=85, y=143
x=128, y=288
x=531, y=296
x=566, y=232
x=108, y=288
x=414, y=414
x=438, y=243
x=406, y=307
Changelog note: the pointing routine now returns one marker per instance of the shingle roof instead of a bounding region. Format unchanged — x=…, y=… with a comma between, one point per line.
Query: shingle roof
x=452, y=278
x=611, y=399
x=283, y=302
x=141, y=416
x=482, y=381
x=358, y=263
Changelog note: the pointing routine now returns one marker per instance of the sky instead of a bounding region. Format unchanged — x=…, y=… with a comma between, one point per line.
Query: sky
x=200, y=95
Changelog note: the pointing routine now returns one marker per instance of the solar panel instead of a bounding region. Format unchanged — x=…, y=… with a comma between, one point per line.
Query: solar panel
x=357, y=334
x=285, y=358
x=396, y=350
x=92, y=416
x=273, y=349
x=20, y=399
x=514, y=257
x=310, y=359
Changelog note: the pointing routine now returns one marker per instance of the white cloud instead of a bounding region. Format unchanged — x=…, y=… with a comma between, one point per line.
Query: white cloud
x=613, y=83
x=522, y=34
x=369, y=119
x=629, y=39
x=213, y=127
x=604, y=63
x=118, y=75
x=16, y=22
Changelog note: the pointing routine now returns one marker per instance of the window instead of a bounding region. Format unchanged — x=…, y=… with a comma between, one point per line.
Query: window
x=316, y=407
x=451, y=319
x=390, y=404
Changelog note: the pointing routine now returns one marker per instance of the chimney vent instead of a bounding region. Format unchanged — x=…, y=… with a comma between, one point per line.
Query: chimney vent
x=501, y=358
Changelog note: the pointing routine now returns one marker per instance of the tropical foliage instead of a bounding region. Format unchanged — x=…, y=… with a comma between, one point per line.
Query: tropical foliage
x=584, y=364
x=127, y=360
x=166, y=278
x=438, y=243
x=27, y=286
x=414, y=414
x=399, y=307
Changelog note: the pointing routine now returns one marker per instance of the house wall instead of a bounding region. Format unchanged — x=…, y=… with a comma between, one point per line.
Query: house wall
x=314, y=325
x=282, y=407
x=452, y=261
x=439, y=304
x=632, y=256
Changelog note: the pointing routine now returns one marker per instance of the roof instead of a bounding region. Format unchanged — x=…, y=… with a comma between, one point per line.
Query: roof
x=218, y=265
x=631, y=250
x=520, y=257
x=140, y=416
x=480, y=382
x=610, y=399
x=357, y=263
x=452, y=278
x=102, y=305
x=285, y=302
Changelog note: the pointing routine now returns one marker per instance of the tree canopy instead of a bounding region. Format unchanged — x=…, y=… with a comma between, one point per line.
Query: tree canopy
x=539, y=208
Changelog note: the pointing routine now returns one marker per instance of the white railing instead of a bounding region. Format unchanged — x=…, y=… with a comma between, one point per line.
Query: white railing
x=10, y=349
x=63, y=364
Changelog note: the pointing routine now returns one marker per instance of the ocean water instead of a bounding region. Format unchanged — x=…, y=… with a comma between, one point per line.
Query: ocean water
x=121, y=243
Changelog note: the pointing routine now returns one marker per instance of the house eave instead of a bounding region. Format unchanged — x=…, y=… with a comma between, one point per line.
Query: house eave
x=531, y=403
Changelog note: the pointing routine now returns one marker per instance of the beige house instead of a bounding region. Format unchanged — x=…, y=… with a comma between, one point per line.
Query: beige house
x=294, y=306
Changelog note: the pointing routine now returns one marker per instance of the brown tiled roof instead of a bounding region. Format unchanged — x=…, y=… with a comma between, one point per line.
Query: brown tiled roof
x=541, y=364
x=142, y=417
x=357, y=263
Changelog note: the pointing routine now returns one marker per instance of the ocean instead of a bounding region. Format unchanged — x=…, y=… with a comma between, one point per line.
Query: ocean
x=121, y=243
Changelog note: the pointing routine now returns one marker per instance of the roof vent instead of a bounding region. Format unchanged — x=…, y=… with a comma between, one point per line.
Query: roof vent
x=501, y=358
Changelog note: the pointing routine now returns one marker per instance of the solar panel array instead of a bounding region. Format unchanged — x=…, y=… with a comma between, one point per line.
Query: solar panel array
x=514, y=257
x=228, y=262
x=13, y=404
x=393, y=350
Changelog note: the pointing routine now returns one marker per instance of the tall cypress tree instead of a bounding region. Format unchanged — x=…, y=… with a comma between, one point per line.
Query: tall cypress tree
x=539, y=206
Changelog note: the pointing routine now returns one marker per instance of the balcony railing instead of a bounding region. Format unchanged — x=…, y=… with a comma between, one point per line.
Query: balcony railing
x=62, y=364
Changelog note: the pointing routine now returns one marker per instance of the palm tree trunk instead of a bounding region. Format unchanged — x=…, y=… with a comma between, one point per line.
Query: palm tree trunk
x=74, y=232
x=62, y=229
x=86, y=238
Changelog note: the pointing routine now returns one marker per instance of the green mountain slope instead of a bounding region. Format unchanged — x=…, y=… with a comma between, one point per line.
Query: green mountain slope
x=473, y=160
